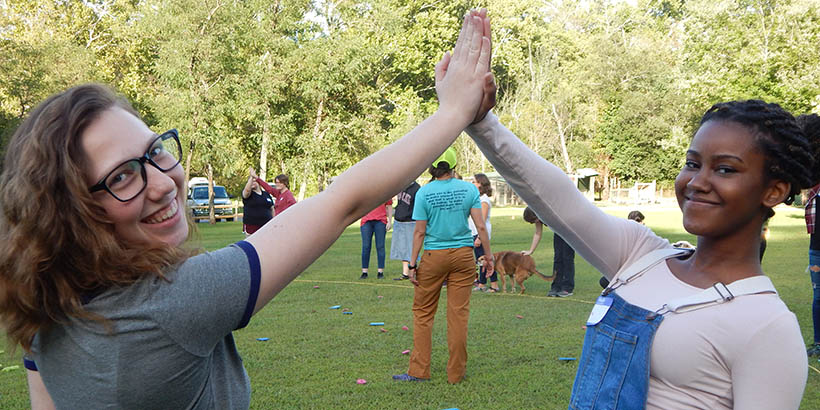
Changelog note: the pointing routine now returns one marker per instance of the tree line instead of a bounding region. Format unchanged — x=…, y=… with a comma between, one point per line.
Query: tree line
x=309, y=87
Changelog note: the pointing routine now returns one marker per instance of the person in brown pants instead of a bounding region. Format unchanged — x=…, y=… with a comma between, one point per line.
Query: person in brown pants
x=440, y=211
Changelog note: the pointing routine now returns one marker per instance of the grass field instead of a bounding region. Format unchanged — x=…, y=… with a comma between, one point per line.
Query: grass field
x=314, y=354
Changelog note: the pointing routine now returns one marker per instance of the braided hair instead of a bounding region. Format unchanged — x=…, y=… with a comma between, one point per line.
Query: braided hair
x=810, y=123
x=790, y=155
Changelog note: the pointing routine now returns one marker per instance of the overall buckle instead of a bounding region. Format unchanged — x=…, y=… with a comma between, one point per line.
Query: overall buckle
x=721, y=292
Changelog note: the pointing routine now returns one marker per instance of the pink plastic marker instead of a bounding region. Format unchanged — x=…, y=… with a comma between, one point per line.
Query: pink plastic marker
x=361, y=381
x=405, y=352
x=405, y=328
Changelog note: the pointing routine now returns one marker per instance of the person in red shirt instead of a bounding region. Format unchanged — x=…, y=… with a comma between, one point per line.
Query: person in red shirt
x=377, y=222
x=281, y=194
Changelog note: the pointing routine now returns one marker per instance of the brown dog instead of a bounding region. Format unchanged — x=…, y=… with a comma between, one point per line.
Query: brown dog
x=517, y=266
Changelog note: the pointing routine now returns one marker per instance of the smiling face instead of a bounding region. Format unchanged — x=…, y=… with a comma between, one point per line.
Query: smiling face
x=722, y=188
x=157, y=213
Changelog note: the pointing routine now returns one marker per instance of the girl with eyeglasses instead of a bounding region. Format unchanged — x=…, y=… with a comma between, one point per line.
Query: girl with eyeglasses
x=96, y=282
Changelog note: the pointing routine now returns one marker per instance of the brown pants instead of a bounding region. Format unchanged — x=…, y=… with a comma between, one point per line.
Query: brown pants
x=457, y=267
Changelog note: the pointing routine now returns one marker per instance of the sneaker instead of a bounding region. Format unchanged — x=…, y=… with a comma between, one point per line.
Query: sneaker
x=552, y=293
x=380, y=275
x=402, y=277
x=563, y=294
x=404, y=377
x=814, y=350
x=364, y=275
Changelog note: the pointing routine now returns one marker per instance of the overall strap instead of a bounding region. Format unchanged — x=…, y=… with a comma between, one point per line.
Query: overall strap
x=720, y=293
x=643, y=264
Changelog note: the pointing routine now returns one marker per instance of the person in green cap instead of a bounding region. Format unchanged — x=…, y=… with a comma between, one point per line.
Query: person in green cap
x=440, y=212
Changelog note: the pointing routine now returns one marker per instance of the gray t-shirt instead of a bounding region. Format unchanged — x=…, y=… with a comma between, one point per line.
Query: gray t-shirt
x=169, y=345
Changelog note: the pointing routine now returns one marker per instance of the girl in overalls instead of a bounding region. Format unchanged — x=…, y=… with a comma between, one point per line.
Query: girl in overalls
x=679, y=328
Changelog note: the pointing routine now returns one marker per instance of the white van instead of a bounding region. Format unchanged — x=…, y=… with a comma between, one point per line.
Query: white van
x=198, y=200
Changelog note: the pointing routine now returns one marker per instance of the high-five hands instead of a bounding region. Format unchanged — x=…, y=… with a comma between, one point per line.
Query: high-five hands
x=463, y=77
x=490, y=89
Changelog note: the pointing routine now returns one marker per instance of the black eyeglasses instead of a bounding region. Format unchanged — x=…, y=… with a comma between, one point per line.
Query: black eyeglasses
x=129, y=179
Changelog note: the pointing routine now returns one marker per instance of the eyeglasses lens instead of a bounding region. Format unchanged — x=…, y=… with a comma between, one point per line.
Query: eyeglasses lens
x=128, y=179
x=166, y=151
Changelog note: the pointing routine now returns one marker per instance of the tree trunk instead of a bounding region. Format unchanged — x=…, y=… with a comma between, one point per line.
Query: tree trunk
x=188, y=162
x=304, y=180
x=563, y=138
x=211, y=216
x=263, y=155
x=317, y=141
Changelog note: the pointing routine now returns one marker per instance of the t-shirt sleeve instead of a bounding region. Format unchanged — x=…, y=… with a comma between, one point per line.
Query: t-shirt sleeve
x=770, y=372
x=475, y=198
x=29, y=363
x=208, y=296
x=420, y=207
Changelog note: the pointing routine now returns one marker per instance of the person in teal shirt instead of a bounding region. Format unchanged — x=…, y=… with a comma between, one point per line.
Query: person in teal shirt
x=440, y=212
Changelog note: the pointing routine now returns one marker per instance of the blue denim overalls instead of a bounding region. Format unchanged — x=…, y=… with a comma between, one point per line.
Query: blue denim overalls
x=614, y=369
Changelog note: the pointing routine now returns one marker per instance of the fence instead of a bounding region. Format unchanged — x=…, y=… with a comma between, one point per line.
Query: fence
x=640, y=193
x=217, y=213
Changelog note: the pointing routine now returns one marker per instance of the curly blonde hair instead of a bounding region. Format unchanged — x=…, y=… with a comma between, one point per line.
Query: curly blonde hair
x=57, y=245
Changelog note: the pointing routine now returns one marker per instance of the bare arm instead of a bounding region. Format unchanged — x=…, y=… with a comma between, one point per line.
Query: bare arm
x=40, y=399
x=489, y=260
x=418, y=242
x=304, y=231
x=536, y=238
x=485, y=212
x=389, y=217
x=246, y=192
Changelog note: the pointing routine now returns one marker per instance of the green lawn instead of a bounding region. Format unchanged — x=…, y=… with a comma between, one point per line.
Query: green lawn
x=315, y=354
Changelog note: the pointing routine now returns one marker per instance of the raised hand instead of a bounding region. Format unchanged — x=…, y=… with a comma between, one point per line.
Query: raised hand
x=461, y=78
x=490, y=88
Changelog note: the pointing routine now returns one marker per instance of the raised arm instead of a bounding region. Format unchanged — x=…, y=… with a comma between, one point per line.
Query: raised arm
x=269, y=189
x=290, y=242
x=246, y=191
x=605, y=241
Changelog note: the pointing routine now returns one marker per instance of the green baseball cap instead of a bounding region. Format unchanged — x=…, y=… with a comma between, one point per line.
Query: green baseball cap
x=449, y=156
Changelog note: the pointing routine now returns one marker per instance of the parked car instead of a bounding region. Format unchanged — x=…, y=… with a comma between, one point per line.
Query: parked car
x=198, y=201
